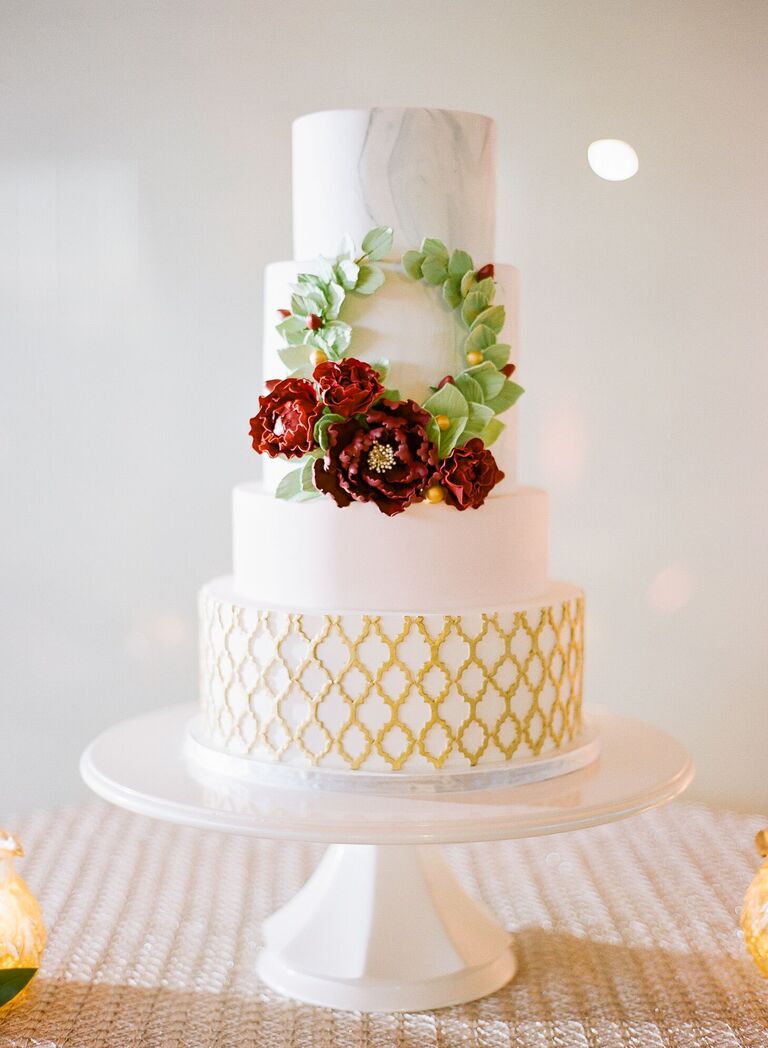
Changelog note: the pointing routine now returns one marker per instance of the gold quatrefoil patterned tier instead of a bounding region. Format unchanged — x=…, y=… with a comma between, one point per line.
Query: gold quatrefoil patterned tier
x=390, y=692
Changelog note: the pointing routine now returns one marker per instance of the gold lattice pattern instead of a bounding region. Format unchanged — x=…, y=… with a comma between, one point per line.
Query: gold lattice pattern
x=391, y=691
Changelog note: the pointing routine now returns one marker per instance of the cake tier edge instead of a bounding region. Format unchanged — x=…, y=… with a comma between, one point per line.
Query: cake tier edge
x=393, y=692
x=313, y=555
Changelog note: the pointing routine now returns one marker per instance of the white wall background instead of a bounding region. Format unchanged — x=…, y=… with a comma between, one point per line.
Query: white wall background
x=144, y=183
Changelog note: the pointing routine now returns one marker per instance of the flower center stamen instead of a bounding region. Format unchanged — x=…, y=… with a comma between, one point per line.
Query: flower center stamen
x=381, y=457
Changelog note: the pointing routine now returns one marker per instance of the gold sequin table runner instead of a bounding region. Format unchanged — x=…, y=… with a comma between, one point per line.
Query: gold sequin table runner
x=626, y=934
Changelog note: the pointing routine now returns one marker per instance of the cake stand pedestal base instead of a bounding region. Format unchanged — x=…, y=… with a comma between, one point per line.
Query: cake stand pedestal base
x=384, y=928
x=383, y=923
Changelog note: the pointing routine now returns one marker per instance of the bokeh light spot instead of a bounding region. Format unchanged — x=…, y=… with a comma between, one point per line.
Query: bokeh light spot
x=612, y=159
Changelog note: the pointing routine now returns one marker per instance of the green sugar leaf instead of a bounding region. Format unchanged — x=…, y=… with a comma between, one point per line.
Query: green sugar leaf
x=346, y=272
x=294, y=356
x=451, y=293
x=479, y=338
x=486, y=287
x=470, y=388
x=391, y=394
x=493, y=317
x=508, y=395
x=450, y=437
x=475, y=304
x=448, y=401
x=292, y=329
x=492, y=432
x=307, y=281
x=334, y=295
x=333, y=338
x=435, y=249
x=498, y=354
x=302, y=372
x=490, y=378
x=459, y=264
x=468, y=281
x=378, y=242
x=434, y=270
x=411, y=262
x=369, y=280
x=308, y=488
x=433, y=432
x=479, y=417
x=300, y=306
x=321, y=428
x=290, y=486
x=13, y=981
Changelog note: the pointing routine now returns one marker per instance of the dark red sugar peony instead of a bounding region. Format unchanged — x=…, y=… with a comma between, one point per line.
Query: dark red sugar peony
x=386, y=459
x=286, y=419
x=348, y=386
x=468, y=474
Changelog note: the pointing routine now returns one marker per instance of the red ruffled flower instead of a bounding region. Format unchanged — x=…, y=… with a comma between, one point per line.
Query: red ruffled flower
x=348, y=386
x=387, y=459
x=285, y=422
x=468, y=474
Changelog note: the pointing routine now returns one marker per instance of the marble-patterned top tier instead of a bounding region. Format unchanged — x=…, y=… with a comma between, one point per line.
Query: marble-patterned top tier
x=425, y=172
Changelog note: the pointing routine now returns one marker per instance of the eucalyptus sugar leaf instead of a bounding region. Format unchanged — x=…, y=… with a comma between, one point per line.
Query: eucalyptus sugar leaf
x=435, y=249
x=294, y=356
x=321, y=428
x=468, y=281
x=412, y=261
x=489, y=377
x=479, y=417
x=479, y=338
x=346, y=272
x=459, y=264
x=450, y=437
x=451, y=293
x=448, y=401
x=492, y=432
x=508, y=395
x=290, y=486
x=378, y=242
x=434, y=270
x=474, y=306
x=493, y=317
x=369, y=280
x=470, y=388
x=498, y=354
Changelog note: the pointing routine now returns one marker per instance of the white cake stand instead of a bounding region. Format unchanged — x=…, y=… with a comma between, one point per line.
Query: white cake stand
x=383, y=924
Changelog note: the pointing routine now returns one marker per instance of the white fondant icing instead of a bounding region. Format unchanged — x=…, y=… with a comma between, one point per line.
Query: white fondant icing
x=406, y=322
x=478, y=688
x=427, y=559
x=425, y=172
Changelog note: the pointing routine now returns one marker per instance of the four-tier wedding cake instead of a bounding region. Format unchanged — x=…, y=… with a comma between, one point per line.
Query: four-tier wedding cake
x=390, y=609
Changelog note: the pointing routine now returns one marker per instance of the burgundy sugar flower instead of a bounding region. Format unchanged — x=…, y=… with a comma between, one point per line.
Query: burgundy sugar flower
x=286, y=419
x=348, y=386
x=468, y=474
x=386, y=459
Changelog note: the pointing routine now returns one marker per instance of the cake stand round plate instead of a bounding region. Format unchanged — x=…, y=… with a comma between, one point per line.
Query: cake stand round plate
x=383, y=924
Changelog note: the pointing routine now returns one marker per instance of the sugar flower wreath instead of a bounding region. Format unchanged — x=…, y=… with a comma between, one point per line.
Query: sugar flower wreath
x=361, y=442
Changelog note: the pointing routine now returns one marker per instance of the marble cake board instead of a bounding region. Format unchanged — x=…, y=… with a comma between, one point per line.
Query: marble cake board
x=383, y=924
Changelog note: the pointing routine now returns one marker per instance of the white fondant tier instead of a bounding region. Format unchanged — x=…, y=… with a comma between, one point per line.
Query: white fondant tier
x=314, y=555
x=425, y=172
x=405, y=322
x=396, y=692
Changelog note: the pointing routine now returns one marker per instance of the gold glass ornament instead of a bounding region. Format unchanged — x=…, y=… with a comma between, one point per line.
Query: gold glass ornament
x=22, y=932
x=754, y=914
